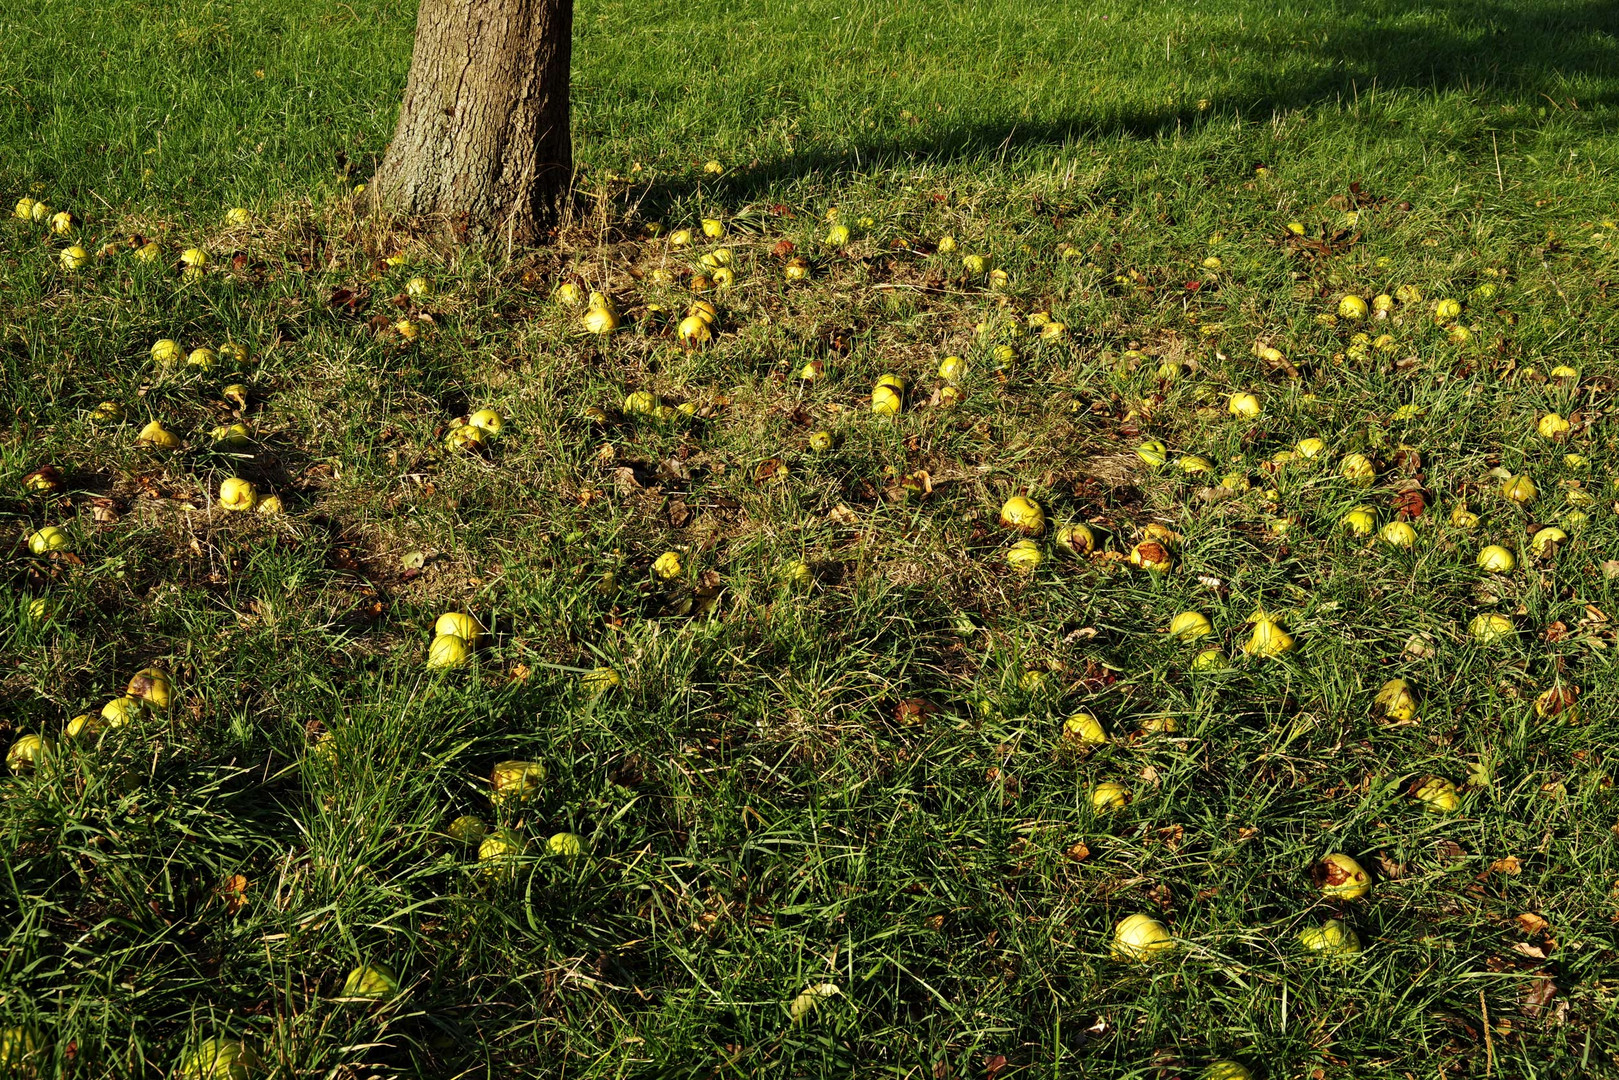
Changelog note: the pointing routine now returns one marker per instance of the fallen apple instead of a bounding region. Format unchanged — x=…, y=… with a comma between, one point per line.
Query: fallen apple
x=1358, y=470
x=1331, y=938
x=24, y=209
x=27, y=753
x=565, y=845
x=74, y=258
x=1140, y=938
x=487, y=420
x=1226, y=1070
x=195, y=258
x=1309, y=448
x=694, y=330
x=460, y=625
x=1076, y=539
x=237, y=494
x=123, y=711
x=1491, y=629
x=63, y=223
x=1519, y=489
x=1189, y=626
x=1552, y=426
x=1398, y=534
x=467, y=829
x=1209, y=660
x=1438, y=795
x=1268, y=639
x=569, y=294
x=1084, y=728
x=1545, y=539
x=152, y=686
x=1024, y=556
x=1108, y=797
x=1495, y=559
x=1360, y=521
x=1153, y=556
x=1395, y=702
x=499, y=851
x=667, y=566
x=820, y=441
x=50, y=538
x=519, y=780
x=1244, y=405
x=885, y=400
x=219, y=1058
x=447, y=651
x=370, y=982
x=1152, y=453
x=1351, y=307
x=1340, y=877
x=600, y=318
x=1023, y=515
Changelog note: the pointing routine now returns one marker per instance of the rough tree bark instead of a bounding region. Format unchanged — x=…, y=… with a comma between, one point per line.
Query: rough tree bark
x=482, y=143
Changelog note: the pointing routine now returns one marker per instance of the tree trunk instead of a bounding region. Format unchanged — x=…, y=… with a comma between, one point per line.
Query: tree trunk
x=482, y=144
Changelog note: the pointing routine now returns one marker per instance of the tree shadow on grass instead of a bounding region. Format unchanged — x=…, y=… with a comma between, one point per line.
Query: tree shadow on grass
x=1534, y=63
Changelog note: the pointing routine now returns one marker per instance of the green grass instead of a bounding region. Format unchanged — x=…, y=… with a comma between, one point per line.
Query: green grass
x=761, y=813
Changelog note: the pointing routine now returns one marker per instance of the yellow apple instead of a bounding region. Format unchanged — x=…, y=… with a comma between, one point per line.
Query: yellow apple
x=837, y=236
x=952, y=369
x=1358, y=470
x=1544, y=538
x=460, y=625
x=1331, y=938
x=1189, y=626
x=519, y=780
x=62, y=223
x=1023, y=515
x=50, y=538
x=885, y=401
x=219, y=1058
x=1394, y=701
x=1340, y=877
x=1551, y=426
x=1268, y=638
x=24, y=210
x=975, y=265
x=565, y=845
x=1244, y=405
x=237, y=494
x=1495, y=559
x=1463, y=518
x=499, y=851
x=1519, y=489
x=1438, y=795
x=195, y=258
x=152, y=686
x=370, y=982
x=694, y=330
x=713, y=228
x=1152, y=453
x=1108, y=797
x=667, y=566
x=1309, y=448
x=1351, y=307
x=1446, y=310
x=467, y=829
x=1153, y=556
x=569, y=294
x=1140, y=937
x=487, y=420
x=1491, y=629
x=108, y=412
x=820, y=441
x=74, y=257
x=1208, y=660
x=1398, y=534
x=1075, y=539
x=1084, y=728
x=447, y=651
x=28, y=753
x=1024, y=556
x=1361, y=521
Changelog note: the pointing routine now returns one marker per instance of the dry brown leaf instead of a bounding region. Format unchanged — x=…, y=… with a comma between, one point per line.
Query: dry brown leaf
x=1508, y=867
x=1530, y=923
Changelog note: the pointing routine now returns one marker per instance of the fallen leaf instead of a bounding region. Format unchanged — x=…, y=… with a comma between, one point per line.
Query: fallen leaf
x=1078, y=851
x=1508, y=867
x=993, y=1064
x=1530, y=923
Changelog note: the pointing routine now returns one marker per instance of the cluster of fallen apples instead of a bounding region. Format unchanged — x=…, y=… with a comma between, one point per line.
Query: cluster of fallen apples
x=457, y=636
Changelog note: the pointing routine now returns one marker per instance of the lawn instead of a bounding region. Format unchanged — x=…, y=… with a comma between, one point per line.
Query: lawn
x=813, y=798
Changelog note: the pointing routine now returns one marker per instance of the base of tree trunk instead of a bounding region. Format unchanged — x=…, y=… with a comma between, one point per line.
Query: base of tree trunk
x=482, y=150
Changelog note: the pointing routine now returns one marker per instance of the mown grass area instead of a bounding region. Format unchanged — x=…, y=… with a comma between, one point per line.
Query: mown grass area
x=859, y=780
